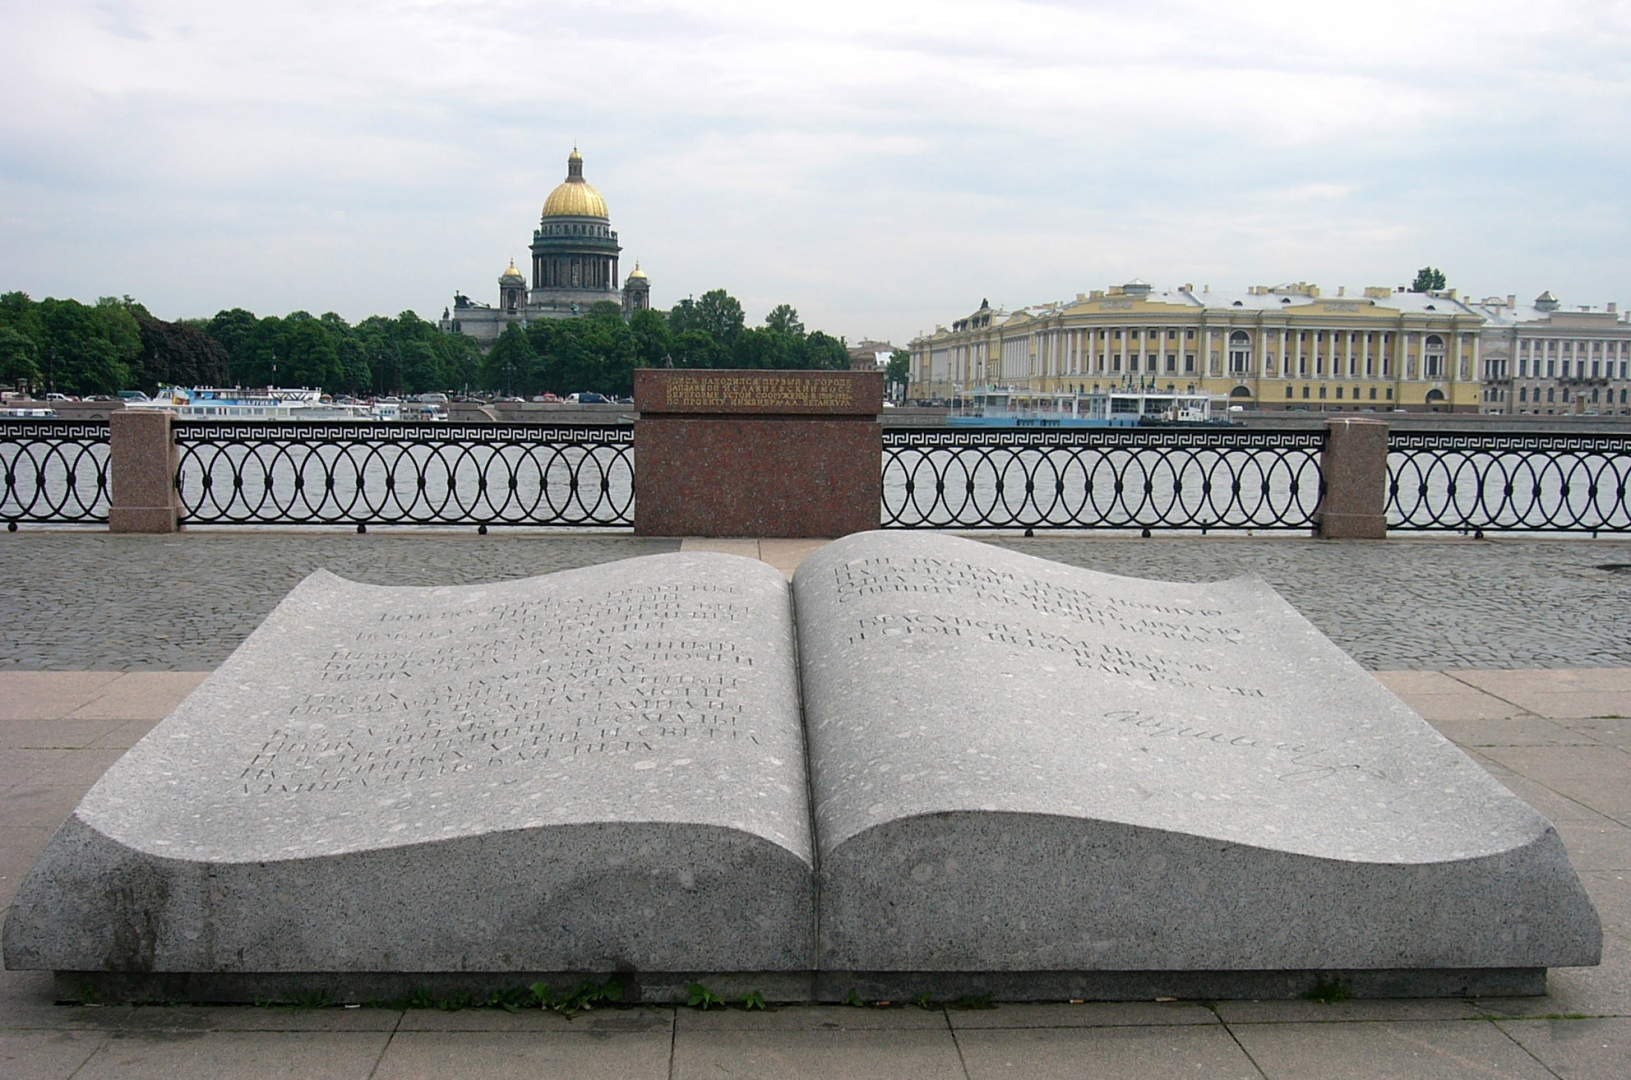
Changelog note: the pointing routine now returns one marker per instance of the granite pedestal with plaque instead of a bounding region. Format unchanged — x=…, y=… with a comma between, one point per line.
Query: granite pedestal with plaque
x=757, y=453
x=929, y=766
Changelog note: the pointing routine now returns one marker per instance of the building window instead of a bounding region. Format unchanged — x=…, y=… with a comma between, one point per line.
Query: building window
x=1339, y=393
x=1523, y=393
x=1433, y=357
x=1189, y=335
x=1305, y=392
x=1550, y=392
x=1172, y=363
x=1189, y=362
x=1240, y=353
x=1322, y=390
x=1373, y=393
x=1288, y=391
x=1390, y=393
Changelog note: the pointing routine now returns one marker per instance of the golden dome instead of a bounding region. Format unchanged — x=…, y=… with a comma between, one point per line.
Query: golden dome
x=512, y=272
x=636, y=273
x=576, y=197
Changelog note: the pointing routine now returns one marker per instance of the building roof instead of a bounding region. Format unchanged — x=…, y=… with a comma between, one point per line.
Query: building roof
x=512, y=272
x=575, y=196
x=1547, y=312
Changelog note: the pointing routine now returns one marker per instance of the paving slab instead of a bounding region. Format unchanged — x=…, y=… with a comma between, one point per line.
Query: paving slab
x=1091, y=1014
x=812, y=1018
x=786, y=555
x=1524, y=729
x=1604, y=990
x=1594, y=776
x=40, y=695
x=46, y=1054
x=1346, y=1012
x=1597, y=847
x=1576, y=1049
x=1406, y=1050
x=846, y=1054
x=436, y=1055
x=1559, y=694
x=602, y=1021
x=140, y=695
x=1615, y=733
x=1610, y=891
x=208, y=1055
x=63, y=733
x=1133, y=1053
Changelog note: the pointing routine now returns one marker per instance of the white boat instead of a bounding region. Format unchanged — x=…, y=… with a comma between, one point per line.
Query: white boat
x=1126, y=406
x=238, y=403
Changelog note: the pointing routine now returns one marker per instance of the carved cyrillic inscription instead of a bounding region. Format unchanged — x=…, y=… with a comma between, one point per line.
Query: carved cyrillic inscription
x=418, y=695
x=1018, y=595
x=757, y=392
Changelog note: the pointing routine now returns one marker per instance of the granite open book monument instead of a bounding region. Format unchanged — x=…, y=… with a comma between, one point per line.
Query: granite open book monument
x=929, y=766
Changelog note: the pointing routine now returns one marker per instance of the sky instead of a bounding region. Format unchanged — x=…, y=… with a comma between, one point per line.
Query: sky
x=881, y=166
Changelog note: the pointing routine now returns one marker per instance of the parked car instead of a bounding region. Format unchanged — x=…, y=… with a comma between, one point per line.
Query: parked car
x=133, y=395
x=589, y=397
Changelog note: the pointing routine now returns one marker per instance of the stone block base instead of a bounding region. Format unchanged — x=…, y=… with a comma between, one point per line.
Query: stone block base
x=142, y=519
x=774, y=477
x=1352, y=527
x=669, y=988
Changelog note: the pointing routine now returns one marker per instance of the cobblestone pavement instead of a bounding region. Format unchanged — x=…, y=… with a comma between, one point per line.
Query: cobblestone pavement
x=93, y=601
x=1417, y=603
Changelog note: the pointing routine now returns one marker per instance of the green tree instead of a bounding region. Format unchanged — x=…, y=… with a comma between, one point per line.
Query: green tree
x=764, y=347
x=88, y=350
x=510, y=363
x=652, y=340
x=236, y=330
x=899, y=368
x=697, y=349
x=1428, y=279
x=720, y=315
x=19, y=358
x=178, y=354
x=825, y=351
x=784, y=318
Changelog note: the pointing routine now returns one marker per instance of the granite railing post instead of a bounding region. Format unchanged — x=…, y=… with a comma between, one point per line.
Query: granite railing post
x=757, y=453
x=1354, y=467
x=142, y=461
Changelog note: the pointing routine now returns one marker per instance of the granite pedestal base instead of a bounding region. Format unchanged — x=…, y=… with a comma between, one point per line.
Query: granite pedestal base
x=758, y=453
x=750, y=477
x=830, y=987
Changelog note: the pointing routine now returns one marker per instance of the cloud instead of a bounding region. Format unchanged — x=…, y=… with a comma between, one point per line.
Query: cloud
x=880, y=165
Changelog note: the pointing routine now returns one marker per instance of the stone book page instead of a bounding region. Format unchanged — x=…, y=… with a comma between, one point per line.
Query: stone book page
x=1023, y=766
x=601, y=769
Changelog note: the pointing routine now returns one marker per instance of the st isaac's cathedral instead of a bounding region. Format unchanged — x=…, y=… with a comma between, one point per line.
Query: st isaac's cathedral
x=574, y=265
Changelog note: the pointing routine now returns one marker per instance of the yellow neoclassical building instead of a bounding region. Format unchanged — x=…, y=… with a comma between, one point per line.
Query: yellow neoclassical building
x=1271, y=347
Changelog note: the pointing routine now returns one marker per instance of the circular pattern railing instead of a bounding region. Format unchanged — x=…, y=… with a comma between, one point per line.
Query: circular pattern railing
x=295, y=473
x=1493, y=482
x=55, y=471
x=1138, y=478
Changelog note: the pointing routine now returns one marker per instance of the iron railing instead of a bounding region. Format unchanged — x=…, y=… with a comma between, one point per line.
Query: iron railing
x=56, y=471
x=351, y=473
x=1117, y=478
x=1475, y=482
